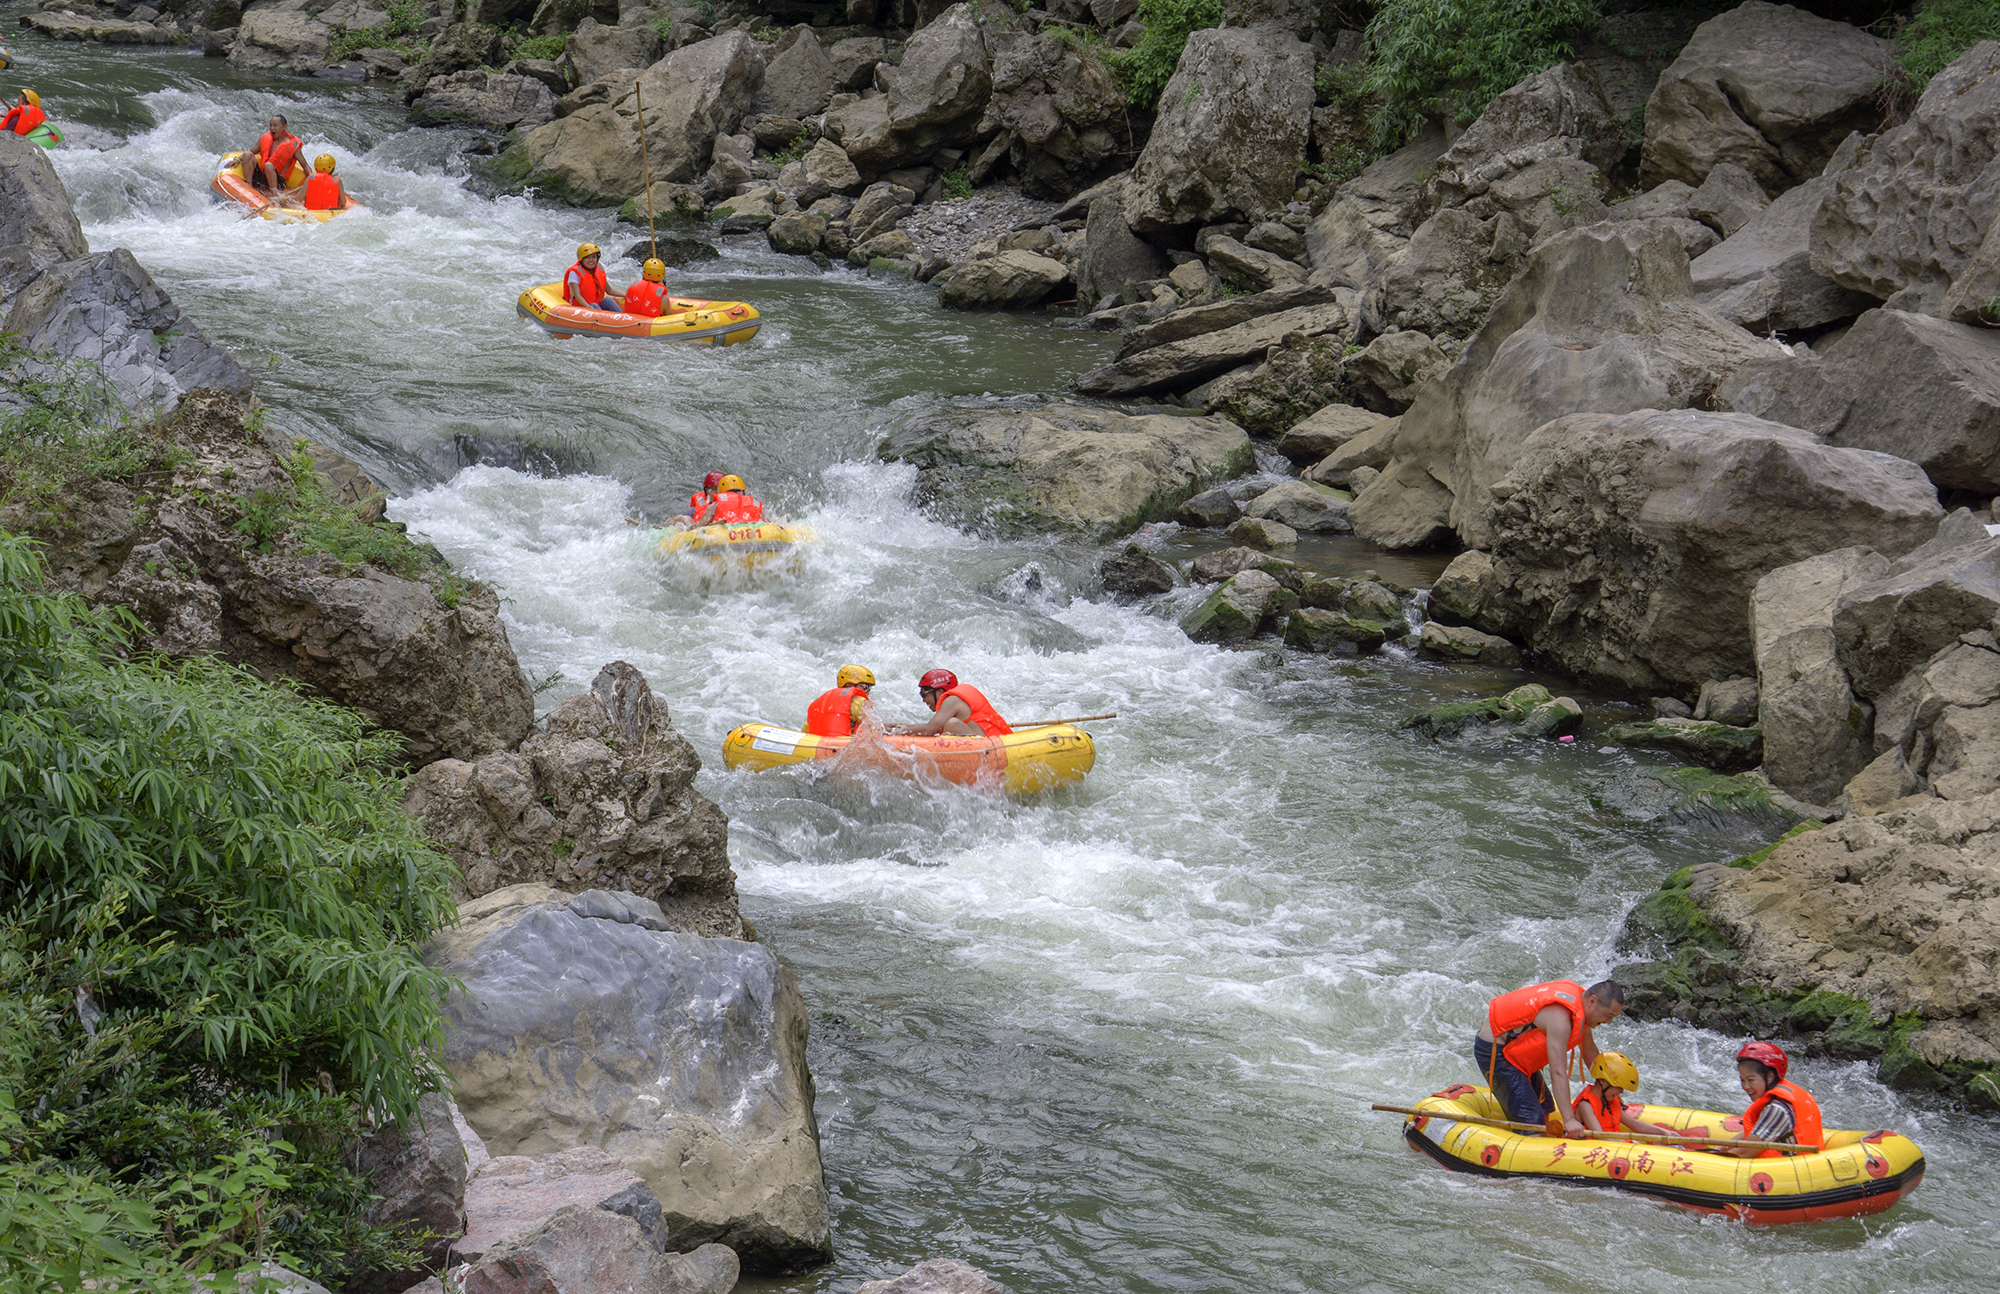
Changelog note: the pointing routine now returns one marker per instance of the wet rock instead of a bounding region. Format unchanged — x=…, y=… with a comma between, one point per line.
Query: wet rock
x=800, y=233
x=1712, y=745
x=67, y=25
x=1816, y=732
x=1302, y=506
x=1231, y=135
x=1213, y=568
x=1370, y=451
x=1761, y=276
x=1314, y=630
x=1209, y=509
x=936, y=1276
x=1387, y=374
x=1178, y=365
x=496, y=101
x=1768, y=87
x=1552, y=718
x=1325, y=430
x=1468, y=592
x=1262, y=533
x=591, y=1249
x=600, y=795
x=516, y=1195
x=38, y=228
x=1728, y=199
x=1135, y=573
x=1066, y=469
x=1672, y=707
x=1459, y=643
x=1008, y=281
x=594, y=50
x=1731, y=701
x=1234, y=611
x=1113, y=259
x=682, y=1057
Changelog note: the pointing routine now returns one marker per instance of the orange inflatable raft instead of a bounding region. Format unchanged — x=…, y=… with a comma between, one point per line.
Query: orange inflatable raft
x=719, y=323
x=232, y=184
x=1023, y=762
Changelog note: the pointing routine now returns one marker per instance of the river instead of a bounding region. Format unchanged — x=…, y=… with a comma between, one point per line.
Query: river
x=1123, y=1037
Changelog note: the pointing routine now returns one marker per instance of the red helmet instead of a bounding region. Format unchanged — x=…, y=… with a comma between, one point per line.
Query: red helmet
x=1765, y=1053
x=941, y=679
x=709, y=482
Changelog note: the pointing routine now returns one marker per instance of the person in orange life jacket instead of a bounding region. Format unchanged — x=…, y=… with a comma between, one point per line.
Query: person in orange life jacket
x=1534, y=1029
x=732, y=505
x=276, y=153
x=26, y=114
x=324, y=191
x=585, y=283
x=698, y=502
x=647, y=297
x=1780, y=1110
x=1601, y=1106
x=957, y=710
x=840, y=711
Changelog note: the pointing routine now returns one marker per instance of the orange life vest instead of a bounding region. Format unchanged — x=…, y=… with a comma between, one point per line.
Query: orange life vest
x=1528, y=1050
x=984, y=716
x=24, y=118
x=698, y=501
x=322, y=192
x=1805, y=1116
x=832, y=714
x=644, y=298
x=1610, y=1111
x=593, y=285
x=281, y=155
x=735, y=506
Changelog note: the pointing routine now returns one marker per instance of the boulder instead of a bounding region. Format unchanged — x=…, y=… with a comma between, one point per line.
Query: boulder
x=1114, y=260
x=1215, y=567
x=1404, y=507
x=1446, y=281
x=1210, y=509
x=37, y=225
x=1732, y=701
x=1552, y=718
x=879, y=209
x=1926, y=390
x=289, y=39
x=1249, y=269
x=1370, y=451
x=826, y=163
x=1913, y=214
x=1468, y=592
x=854, y=60
x=1888, y=627
x=1359, y=479
x=1555, y=115
x=1234, y=611
x=1299, y=374
x=1712, y=745
x=1325, y=430
x=1387, y=374
x=515, y=1195
x=587, y=1249
x=600, y=795
x=594, y=50
x=1193, y=321
x=945, y=77
x=1461, y=643
x=69, y=25
x=801, y=233
x=1554, y=193
x=683, y=1057
x=1302, y=506
x=1135, y=573
x=798, y=79
x=417, y=1173
x=1231, y=134
x=1178, y=365
x=1008, y=281
x=1314, y=630
x=1728, y=199
x=1761, y=276
x=1632, y=542
x=1087, y=472
x=935, y=1276
x=497, y=101
x=1816, y=732
x=1062, y=113
x=1261, y=532
x=1374, y=214
x=1278, y=239
x=1768, y=87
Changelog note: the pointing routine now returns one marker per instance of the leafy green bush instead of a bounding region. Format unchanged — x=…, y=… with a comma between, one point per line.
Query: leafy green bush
x=66, y=421
x=1146, y=68
x=542, y=47
x=1939, y=33
x=957, y=184
x=211, y=901
x=1448, y=58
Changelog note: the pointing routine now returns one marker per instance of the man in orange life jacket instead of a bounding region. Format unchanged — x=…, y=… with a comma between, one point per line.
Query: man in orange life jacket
x=586, y=284
x=277, y=152
x=958, y=710
x=840, y=711
x=732, y=505
x=1780, y=1110
x=1533, y=1029
x=25, y=115
x=324, y=191
x=698, y=502
x=648, y=297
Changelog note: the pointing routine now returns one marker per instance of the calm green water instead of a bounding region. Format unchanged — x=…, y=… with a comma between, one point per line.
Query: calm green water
x=1121, y=1038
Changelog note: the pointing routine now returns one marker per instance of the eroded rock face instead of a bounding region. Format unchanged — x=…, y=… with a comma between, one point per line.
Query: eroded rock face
x=1064, y=469
x=1232, y=130
x=289, y=39
x=1632, y=543
x=491, y=100
x=37, y=226
x=682, y=1057
x=1761, y=275
x=1066, y=115
x=1914, y=217
x=1768, y=87
x=1552, y=116
x=1817, y=733
x=599, y=796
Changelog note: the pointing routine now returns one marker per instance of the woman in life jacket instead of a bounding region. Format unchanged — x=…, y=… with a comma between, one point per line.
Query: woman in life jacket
x=25, y=115
x=647, y=298
x=698, y=502
x=957, y=710
x=277, y=153
x=1779, y=1110
x=324, y=191
x=841, y=710
x=585, y=283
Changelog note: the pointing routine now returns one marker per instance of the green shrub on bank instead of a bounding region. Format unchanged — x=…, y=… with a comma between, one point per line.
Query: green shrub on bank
x=1146, y=68
x=1940, y=32
x=1448, y=58
x=64, y=420
x=550, y=47
x=209, y=904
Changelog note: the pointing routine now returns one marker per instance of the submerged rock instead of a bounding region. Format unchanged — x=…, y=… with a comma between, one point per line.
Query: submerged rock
x=1135, y=573
x=1315, y=630
x=1458, y=643
x=1714, y=745
x=1234, y=611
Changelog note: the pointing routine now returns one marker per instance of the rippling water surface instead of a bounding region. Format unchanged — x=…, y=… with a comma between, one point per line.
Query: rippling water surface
x=1123, y=1037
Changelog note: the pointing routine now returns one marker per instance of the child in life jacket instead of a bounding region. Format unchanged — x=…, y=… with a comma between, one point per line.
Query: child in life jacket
x=1779, y=1110
x=1601, y=1106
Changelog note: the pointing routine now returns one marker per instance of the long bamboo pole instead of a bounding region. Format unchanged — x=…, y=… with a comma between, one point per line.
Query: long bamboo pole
x=1646, y=1137
x=1050, y=723
x=646, y=171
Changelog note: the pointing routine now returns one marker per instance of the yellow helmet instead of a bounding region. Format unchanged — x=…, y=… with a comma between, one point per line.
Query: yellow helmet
x=730, y=483
x=654, y=271
x=324, y=162
x=852, y=674
x=31, y=96
x=589, y=249
x=1615, y=1069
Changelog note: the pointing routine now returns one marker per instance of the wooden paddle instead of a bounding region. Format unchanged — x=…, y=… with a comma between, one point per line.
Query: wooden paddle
x=1050, y=723
x=1646, y=1137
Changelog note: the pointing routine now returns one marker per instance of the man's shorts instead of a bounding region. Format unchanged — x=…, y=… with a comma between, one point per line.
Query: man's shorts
x=1525, y=1097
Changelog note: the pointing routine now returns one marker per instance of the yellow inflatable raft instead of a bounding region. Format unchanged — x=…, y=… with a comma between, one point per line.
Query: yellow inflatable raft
x=719, y=323
x=1858, y=1173
x=1021, y=763
x=232, y=184
x=744, y=545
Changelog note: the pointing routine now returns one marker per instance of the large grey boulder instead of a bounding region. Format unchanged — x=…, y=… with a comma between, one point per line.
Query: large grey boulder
x=595, y=51
x=1389, y=372
x=513, y=1195
x=580, y=1249
x=1326, y=429
x=1302, y=506
x=1178, y=365
x=1231, y=134
x=1300, y=374
x=1556, y=115
x=1761, y=275
x=683, y=1057
x=1114, y=259
x=1890, y=626
x=417, y=1173
x=1086, y=472
x=1728, y=199
x=1193, y=321
x=1445, y=282
x=1007, y=281
x=1249, y=268
x=1373, y=215
x=37, y=225
x=1658, y=525
x=287, y=39
x=1063, y=114
x=1468, y=592
x=1817, y=733
x=1234, y=611
x=600, y=795
x=945, y=77
x=798, y=78
x=1771, y=88
x=1369, y=451
x=1404, y=507
x=1914, y=217
x=497, y=101
x=1603, y=320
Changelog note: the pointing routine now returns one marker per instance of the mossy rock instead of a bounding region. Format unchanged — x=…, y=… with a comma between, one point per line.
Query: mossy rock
x=1454, y=717
x=1670, y=915
x=1713, y=745
x=1750, y=860
x=1694, y=796
x=1314, y=630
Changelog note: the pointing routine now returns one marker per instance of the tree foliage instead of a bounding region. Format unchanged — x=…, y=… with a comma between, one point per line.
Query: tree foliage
x=1940, y=32
x=1146, y=68
x=1448, y=58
